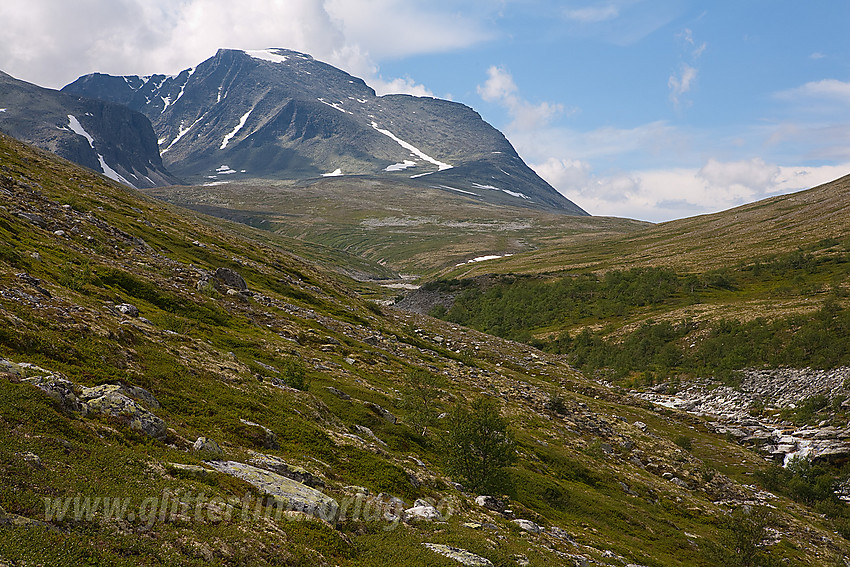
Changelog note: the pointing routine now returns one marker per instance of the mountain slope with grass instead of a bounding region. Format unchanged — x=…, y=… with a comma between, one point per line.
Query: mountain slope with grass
x=769, y=280
x=760, y=230
x=178, y=390
x=418, y=231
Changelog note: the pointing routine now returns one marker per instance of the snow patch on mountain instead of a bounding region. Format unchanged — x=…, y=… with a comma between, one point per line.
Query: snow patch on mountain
x=508, y=191
x=400, y=166
x=456, y=189
x=78, y=129
x=516, y=194
x=267, y=55
x=484, y=259
x=225, y=170
x=334, y=105
x=183, y=88
x=335, y=173
x=181, y=133
x=235, y=131
x=111, y=173
x=410, y=147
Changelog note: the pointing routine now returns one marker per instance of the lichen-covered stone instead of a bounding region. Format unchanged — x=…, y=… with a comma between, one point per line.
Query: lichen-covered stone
x=109, y=400
x=292, y=494
x=281, y=467
x=135, y=392
x=207, y=446
x=462, y=556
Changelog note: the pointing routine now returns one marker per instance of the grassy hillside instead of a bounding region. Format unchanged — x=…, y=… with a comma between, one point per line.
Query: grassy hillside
x=765, y=284
x=295, y=372
x=695, y=244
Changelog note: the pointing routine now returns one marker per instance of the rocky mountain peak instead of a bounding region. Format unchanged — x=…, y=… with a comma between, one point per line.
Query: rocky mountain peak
x=101, y=135
x=281, y=114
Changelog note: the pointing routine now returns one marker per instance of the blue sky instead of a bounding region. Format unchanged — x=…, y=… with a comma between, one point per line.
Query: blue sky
x=650, y=109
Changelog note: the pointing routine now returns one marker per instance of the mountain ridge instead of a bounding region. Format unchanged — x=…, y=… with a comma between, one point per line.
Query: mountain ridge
x=282, y=114
x=106, y=137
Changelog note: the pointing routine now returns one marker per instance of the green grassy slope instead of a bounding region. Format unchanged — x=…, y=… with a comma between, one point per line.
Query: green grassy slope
x=746, y=233
x=73, y=246
x=764, y=284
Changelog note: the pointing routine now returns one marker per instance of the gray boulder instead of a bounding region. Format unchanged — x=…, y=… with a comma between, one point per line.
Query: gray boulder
x=384, y=413
x=281, y=467
x=490, y=502
x=231, y=278
x=462, y=556
x=287, y=493
x=528, y=526
x=110, y=400
x=59, y=389
x=207, y=446
x=423, y=510
x=127, y=309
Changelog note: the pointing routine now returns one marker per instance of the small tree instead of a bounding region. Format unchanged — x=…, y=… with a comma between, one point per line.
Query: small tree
x=741, y=539
x=418, y=398
x=295, y=374
x=479, y=447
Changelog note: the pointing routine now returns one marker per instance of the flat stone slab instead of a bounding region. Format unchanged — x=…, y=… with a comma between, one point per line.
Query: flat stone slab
x=462, y=556
x=292, y=494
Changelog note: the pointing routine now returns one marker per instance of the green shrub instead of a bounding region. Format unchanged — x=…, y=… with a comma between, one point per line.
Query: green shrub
x=478, y=446
x=742, y=532
x=684, y=442
x=419, y=395
x=294, y=374
x=556, y=404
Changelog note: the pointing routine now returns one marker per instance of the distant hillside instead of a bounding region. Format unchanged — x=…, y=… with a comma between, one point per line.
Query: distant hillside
x=106, y=137
x=756, y=230
x=280, y=114
x=415, y=230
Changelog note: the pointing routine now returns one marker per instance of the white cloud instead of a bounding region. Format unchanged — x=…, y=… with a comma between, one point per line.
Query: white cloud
x=499, y=86
x=593, y=14
x=669, y=193
x=826, y=89
x=400, y=85
x=52, y=43
x=390, y=29
x=525, y=116
x=743, y=176
x=681, y=83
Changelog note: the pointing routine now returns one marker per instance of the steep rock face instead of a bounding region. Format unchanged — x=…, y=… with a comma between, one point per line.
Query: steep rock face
x=103, y=136
x=282, y=114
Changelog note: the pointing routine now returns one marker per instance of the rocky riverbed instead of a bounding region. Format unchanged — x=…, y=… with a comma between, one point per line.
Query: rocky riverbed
x=752, y=412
